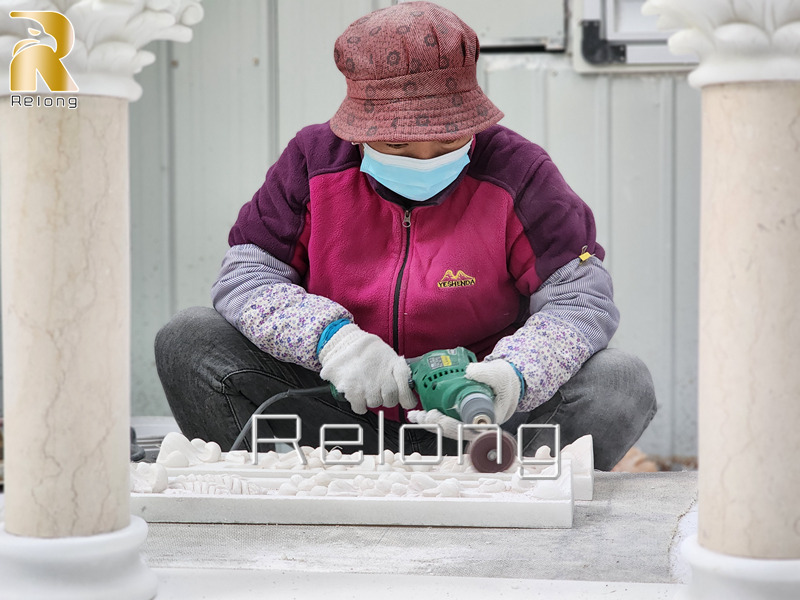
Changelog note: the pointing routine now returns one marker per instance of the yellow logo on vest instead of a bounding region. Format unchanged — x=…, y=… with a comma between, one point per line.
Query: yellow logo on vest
x=460, y=279
x=31, y=56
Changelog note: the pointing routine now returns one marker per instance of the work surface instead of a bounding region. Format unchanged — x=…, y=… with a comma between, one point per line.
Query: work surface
x=624, y=534
x=621, y=543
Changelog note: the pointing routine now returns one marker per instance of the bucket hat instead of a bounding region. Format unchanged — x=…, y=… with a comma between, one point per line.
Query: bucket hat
x=411, y=76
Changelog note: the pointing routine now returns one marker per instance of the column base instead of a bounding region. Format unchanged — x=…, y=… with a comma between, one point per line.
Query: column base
x=717, y=576
x=95, y=567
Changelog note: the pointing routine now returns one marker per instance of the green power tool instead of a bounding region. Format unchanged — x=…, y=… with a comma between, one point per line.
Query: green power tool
x=439, y=378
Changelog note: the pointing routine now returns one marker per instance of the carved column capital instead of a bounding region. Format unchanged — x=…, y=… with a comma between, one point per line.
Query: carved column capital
x=108, y=39
x=735, y=40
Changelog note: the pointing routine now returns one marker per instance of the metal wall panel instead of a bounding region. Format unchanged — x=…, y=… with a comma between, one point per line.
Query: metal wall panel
x=202, y=136
x=310, y=87
x=217, y=111
x=221, y=95
x=629, y=145
x=214, y=115
x=514, y=22
x=640, y=234
x=152, y=264
x=685, y=267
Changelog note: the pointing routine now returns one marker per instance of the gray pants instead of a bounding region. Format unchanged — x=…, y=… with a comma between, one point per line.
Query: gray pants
x=215, y=378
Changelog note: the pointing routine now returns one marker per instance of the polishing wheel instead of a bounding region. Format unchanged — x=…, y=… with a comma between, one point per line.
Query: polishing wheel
x=483, y=452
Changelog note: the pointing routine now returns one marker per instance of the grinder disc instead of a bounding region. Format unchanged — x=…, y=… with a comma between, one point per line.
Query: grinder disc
x=483, y=452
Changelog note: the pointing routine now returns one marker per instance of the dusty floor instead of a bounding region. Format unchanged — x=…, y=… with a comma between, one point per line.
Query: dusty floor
x=623, y=544
x=625, y=534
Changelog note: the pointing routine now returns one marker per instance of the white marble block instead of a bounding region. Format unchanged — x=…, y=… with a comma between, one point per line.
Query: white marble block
x=206, y=486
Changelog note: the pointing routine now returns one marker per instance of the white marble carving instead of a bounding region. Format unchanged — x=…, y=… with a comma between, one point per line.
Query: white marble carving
x=216, y=485
x=410, y=485
x=377, y=498
x=238, y=457
x=581, y=454
x=736, y=40
x=452, y=493
x=148, y=478
x=109, y=36
x=177, y=451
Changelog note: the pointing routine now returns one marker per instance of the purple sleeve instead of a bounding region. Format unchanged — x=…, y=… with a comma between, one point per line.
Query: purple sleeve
x=275, y=217
x=245, y=269
x=572, y=310
x=557, y=223
x=581, y=293
x=560, y=226
x=258, y=289
x=273, y=220
x=574, y=316
x=547, y=352
x=286, y=322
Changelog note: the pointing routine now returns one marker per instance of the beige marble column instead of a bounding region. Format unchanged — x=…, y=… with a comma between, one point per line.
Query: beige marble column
x=748, y=541
x=66, y=316
x=64, y=197
x=749, y=387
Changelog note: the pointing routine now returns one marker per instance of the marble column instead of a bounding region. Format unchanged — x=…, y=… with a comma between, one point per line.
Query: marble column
x=64, y=195
x=748, y=542
x=66, y=312
x=749, y=496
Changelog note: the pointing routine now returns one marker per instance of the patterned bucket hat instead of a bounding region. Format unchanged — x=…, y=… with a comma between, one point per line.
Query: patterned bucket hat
x=411, y=76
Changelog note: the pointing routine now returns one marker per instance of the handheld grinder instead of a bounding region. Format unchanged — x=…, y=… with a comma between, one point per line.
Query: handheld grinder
x=439, y=378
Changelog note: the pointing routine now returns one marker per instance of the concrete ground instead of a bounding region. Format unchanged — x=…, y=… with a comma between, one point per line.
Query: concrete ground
x=185, y=584
x=623, y=545
x=622, y=542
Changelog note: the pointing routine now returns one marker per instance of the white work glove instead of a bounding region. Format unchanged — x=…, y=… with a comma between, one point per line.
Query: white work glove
x=366, y=370
x=499, y=375
x=503, y=378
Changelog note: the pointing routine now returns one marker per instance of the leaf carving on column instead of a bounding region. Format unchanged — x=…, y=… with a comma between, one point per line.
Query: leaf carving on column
x=736, y=40
x=109, y=37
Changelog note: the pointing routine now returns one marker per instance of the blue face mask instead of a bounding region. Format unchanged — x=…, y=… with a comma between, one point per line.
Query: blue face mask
x=415, y=178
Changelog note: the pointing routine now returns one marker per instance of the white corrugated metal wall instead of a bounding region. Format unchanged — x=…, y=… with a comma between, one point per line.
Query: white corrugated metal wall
x=216, y=112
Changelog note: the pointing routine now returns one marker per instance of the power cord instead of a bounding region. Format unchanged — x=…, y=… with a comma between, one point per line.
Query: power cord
x=315, y=391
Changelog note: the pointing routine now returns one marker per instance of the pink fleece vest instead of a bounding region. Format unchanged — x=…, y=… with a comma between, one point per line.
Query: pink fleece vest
x=410, y=275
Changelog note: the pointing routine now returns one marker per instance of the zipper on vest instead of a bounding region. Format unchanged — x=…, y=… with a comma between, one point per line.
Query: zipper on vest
x=398, y=283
